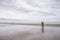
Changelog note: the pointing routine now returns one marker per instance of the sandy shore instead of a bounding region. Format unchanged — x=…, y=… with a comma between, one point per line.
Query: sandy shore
x=26, y=32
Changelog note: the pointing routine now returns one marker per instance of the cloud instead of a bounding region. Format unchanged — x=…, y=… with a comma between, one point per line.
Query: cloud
x=41, y=10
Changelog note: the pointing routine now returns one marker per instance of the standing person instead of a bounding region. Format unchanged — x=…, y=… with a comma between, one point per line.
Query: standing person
x=42, y=23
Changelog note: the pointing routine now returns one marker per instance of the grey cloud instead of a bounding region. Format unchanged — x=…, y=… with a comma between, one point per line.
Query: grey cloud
x=56, y=5
x=47, y=14
x=56, y=0
x=10, y=4
x=6, y=3
x=39, y=3
x=23, y=10
x=32, y=2
x=53, y=7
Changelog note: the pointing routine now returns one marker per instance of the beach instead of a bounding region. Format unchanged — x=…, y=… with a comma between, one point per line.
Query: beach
x=28, y=32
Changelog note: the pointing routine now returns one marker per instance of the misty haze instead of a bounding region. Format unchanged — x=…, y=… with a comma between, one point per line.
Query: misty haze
x=29, y=19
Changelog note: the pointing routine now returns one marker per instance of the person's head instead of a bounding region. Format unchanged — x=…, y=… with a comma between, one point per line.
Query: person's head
x=42, y=22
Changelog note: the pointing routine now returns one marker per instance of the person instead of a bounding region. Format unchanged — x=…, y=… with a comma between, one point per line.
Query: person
x=42, y=23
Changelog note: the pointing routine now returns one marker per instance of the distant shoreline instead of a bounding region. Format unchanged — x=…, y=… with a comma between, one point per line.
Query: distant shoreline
x=54, y=25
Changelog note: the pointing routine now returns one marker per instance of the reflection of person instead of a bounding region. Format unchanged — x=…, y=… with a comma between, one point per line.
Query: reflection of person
x=42, y=23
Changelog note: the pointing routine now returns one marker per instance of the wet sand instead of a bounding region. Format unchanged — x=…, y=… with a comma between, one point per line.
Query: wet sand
x=28, y=32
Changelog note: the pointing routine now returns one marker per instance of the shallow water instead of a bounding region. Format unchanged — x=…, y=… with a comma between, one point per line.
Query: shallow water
x=28, y=32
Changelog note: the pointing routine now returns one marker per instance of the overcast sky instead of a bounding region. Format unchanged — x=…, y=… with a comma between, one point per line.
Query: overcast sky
x=35, y=10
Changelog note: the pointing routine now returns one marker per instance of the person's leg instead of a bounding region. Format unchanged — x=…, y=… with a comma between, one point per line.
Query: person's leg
x=42, y=28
